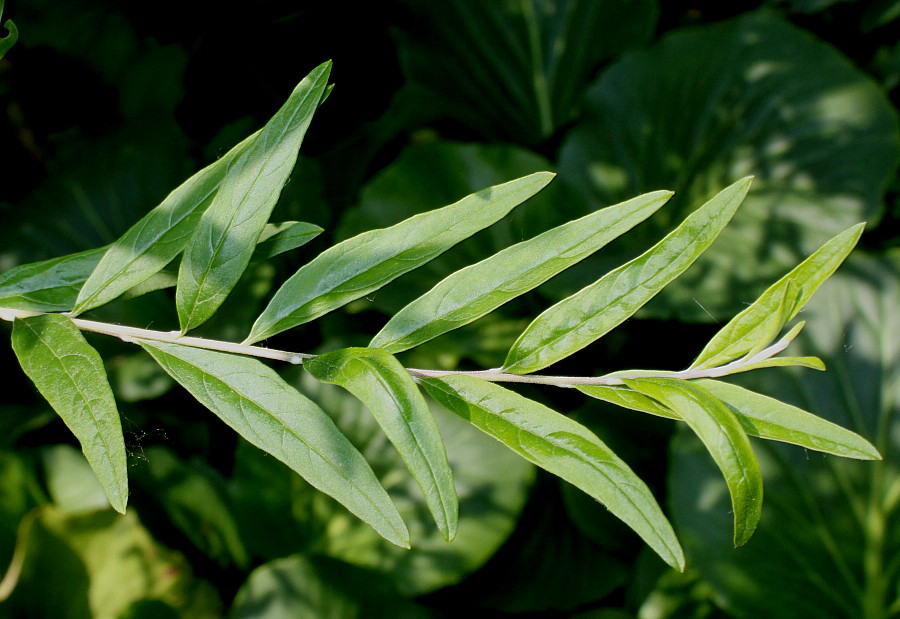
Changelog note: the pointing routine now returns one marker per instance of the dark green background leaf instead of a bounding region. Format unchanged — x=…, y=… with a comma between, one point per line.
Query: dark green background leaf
x=754, y=96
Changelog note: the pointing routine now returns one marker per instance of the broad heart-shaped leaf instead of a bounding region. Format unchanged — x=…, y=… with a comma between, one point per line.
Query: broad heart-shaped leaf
x=50, y=285
x=754, y=327
x=479, y=289
x=321, y=588
x=69, y=374
x=562, y=447
x=357, y=266
x=575, y=322
x=257, y=403
x=755, y=95
x=827, y=544
x=223, y=241
x=516, y=71
x=389, y=392
x=160, y=235
x=725, y=439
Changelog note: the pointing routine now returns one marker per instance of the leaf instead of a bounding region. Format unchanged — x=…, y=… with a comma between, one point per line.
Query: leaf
x=479, y=289
x=491, y=481
x=516, y=71
x=431, y=174
x=279, y=238
x=48, y=286
x=269, y=413
x=9, y=40
x=772, y=419
x=191, y=497
x=562, y=447
x=757, y=325
x=224, y=239
x=808, y=557
x=160, y=235
x=69, y=374
x=575, y=322
x=756, y=95
x=723, y=436
x=100, y=564
x=758, y=414
x=389, y=392
x=321, y=588
x=364, y=263
x=628, y=398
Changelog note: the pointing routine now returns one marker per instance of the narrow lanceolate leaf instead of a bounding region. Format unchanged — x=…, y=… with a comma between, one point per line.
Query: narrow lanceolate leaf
x=226, y=235
x=724, y=437
x=160, y=235
x=627, y=398
x=257, y=403
x=590, y=313
x=759, y=415
x=479, y=289
x=50, y=285
x=772, y=419
x=366, y=262
x=389, y=392
x=563, y=447
x=757, y=325
x=69, y=374
x=279, y=238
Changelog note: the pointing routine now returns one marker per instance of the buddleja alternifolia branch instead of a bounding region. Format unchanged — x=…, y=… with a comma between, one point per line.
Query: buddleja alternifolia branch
x=132, y=334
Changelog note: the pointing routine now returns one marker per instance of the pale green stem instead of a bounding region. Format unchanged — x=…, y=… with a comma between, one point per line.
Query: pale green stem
x=130, y=334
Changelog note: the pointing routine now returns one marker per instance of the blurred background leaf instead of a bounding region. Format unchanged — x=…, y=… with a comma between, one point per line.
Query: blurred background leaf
x=762, y=98
x=828, y=542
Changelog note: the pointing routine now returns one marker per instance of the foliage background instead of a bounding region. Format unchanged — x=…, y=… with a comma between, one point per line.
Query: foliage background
x=109, y=104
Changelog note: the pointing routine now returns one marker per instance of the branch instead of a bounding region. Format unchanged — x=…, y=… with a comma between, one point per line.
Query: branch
x=130, y=334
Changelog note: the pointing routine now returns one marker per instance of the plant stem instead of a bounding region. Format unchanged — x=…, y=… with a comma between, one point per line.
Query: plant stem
x=131, y=334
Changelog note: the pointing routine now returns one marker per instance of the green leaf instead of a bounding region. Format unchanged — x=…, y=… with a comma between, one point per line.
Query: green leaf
x=516, y=71
x=226, y=235
x=725, y=439
x=756, y=326
x=563, y=447
x=628, y=398
x=575, y=322
x=389, y=392
x=433, y=173
x=269, y=413
x=827, y=542
x=479, y=289
x=759, y=415
x=160, y=235
x=192, y=496
x=48, y=286
x=364, y=263
x=69, y=374
x=100, y=564
x=491, y=481
x=756, y=95
x=321, y=588
x=9, y=40
x=772, y=419
x=279, y=238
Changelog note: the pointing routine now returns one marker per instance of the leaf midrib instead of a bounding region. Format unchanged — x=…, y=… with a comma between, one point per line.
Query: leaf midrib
x=664, y=543
x=341, y=473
